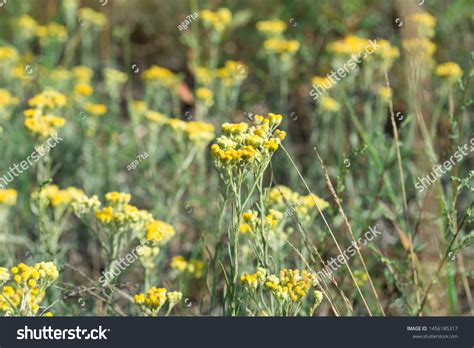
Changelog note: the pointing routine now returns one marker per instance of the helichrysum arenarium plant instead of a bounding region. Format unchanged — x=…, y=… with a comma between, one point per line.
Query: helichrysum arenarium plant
x=24, y=288
x=284, y=294
x=154, y=299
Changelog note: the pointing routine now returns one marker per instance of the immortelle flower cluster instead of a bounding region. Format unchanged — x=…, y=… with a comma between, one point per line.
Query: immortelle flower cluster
x=243, y=148
x=24, y=288
x=286, y=291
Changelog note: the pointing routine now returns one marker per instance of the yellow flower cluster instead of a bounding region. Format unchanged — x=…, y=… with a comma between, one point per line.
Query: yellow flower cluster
x=291, y=284
x=42, y=125
x=449, y=70
x=25, y=26
x=51, y=32
x=159, y=231
x=28, y=287
x=204, y=76
x=6, y=99
x=271, y=27
x=196, y=132
x=119, y=212
x=83, y=74
x=217, y=20
x=121, y=215
x=321, y=81
x=253, y=280
x=251, y=221
x=8, y=197
x=83, y=205
x=205, y=95
x=114, y=77
x=349, y=45
x=193, y=267
x=95, y=109
x=281, y=196
x=329, y=104
x=230, y=75
x=8, y=54
x=386, y=52
x=385, y=93
x=155, y=298
x=242, y=145
x=424, y=22
x=421, y=46
x=118, y=197
x=281, y=46
x=49, y=98
x=156, y=117
x=83, y=89
x=162, y=76
x=58, y=197
x=93, y=18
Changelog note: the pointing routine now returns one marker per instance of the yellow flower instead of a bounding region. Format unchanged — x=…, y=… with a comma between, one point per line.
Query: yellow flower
x=218, y=20
x=156, y=117
x=199, y=133
x=421, y=46
x=159, y=231
x=387, y=52
x=234, y=128
x=92, y=17
x=114, y=77
x=272, y=27
x=329, y=104
x=95, y=109
x=204, y=76
x=83, y=74
x=281, y=46
x=321, y=81
x=349, y=45
x=83, y=89
x=25, y=26
x=51, y=31
x=105, y=215
x=163, y=76
x=118, y=197
x=205, y=95
x=6, y=99
x=4, y=275
x=449, y=70
x=154, y=298
x=8, y=54
x=313, y=200
x=425, y=23
x=179, y=263
x=174, y=297
x=44, y=126
x=49, y=98
x=385, y=93
x=67, y=196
